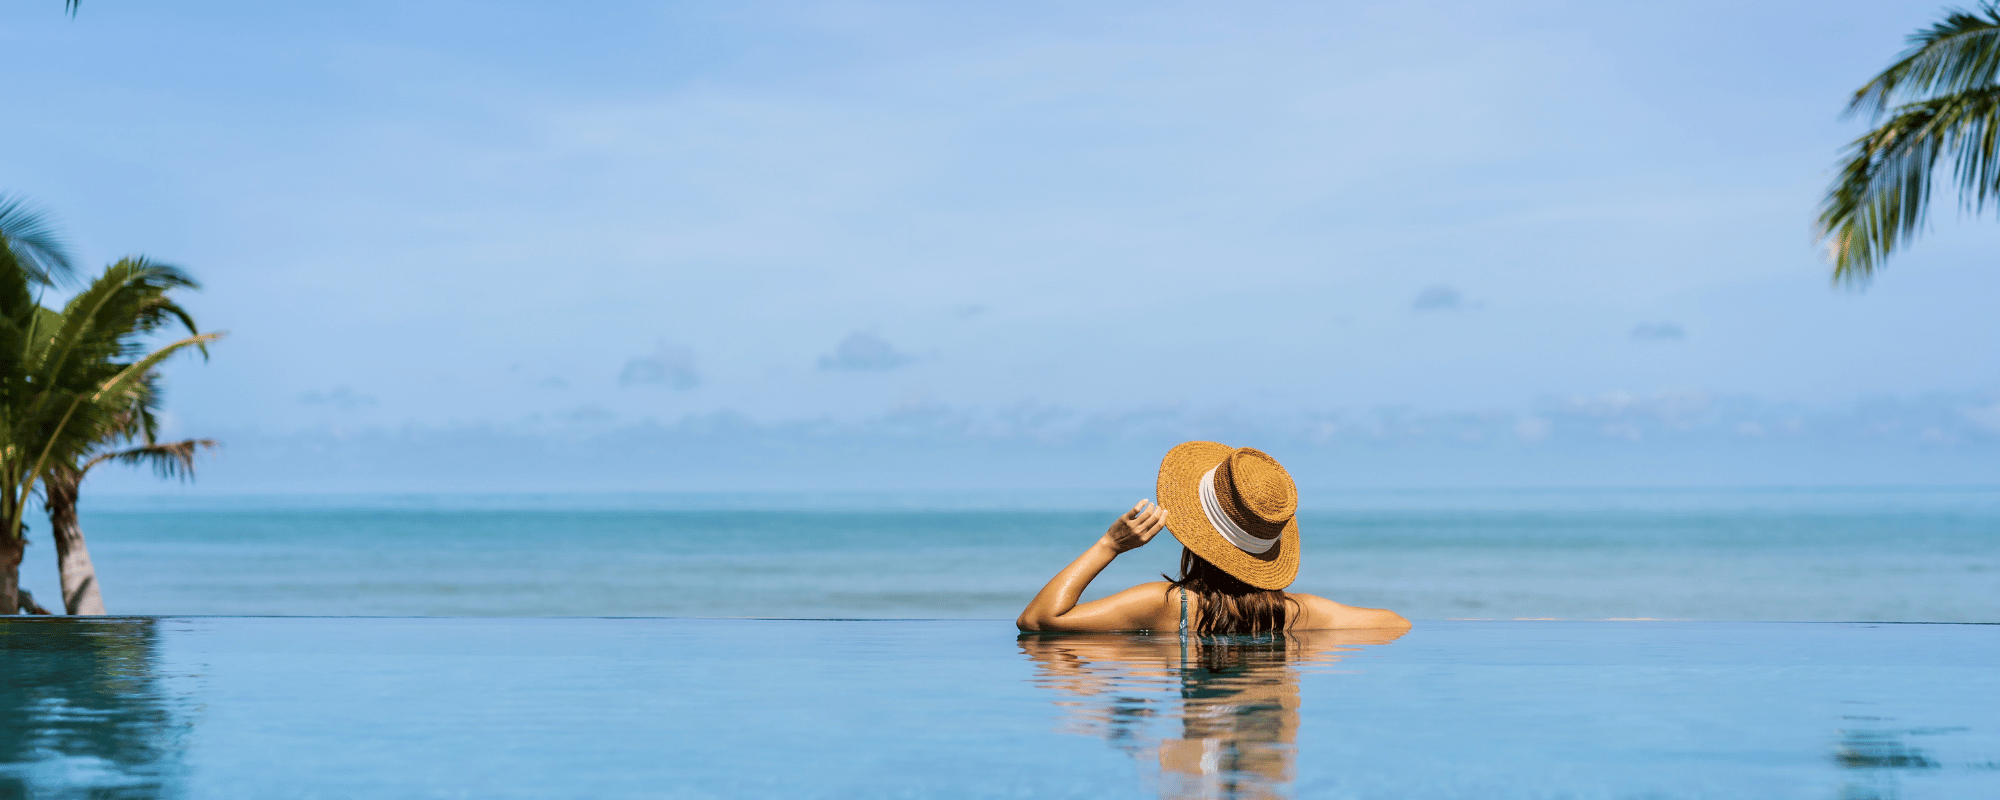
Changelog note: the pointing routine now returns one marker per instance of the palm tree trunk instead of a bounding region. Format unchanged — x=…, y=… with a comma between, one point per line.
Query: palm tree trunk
x=79, y=577
x=10, y=574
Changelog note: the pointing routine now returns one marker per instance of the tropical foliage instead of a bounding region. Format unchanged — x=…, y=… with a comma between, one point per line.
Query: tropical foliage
x=126, y=433
x=80, y=593
x=31, y=246
x=77, y=385
x=1939, y=101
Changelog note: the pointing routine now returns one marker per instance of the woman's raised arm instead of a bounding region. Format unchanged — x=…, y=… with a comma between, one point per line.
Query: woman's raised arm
x=1055, y=608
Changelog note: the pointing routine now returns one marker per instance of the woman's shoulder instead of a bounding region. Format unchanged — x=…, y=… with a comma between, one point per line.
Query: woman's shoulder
x=1146, y=606
x=1161, y=591
x=1142, y=607
x=1319, y=613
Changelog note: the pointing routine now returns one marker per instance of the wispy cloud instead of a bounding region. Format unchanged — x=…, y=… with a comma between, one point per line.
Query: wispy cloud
x=1438, y=298
x=1658, y=332
x=1532, y=429
x=340, y=397
x=1613, y=438
x=1985, y=416
x=668, y=365
x=587, y=414
x=862, y=351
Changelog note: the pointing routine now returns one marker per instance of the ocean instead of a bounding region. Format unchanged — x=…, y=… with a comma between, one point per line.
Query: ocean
x=556, y=646
x=1912, y=555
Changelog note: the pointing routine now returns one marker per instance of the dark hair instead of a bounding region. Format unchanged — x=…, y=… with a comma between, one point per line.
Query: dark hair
x=1228, y=605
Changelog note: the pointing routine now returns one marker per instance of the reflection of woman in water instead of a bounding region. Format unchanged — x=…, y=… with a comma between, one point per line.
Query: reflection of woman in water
x=1220, y=714
x=1233, y=511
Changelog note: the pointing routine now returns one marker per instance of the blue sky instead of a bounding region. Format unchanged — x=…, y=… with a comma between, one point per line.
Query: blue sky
x=652, y=246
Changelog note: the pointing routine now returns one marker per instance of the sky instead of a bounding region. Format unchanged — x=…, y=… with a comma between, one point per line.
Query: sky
x=633, y=246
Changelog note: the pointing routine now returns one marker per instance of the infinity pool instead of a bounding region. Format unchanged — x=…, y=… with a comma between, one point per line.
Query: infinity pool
x=608, y=708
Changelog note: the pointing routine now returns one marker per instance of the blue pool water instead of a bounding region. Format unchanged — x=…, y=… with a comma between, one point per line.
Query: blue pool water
x=701, y=708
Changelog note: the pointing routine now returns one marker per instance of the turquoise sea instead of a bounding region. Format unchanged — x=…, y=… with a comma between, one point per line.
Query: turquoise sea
x=431, y=666
x=1799, y=555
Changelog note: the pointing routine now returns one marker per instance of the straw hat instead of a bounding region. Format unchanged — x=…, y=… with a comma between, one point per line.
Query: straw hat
x=1233, y=506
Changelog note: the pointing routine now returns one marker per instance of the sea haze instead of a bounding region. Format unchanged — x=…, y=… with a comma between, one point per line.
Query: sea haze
x=1882, y=555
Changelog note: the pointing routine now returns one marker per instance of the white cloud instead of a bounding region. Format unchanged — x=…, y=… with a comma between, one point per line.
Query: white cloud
x=1622, y=430
x=1658, y=332
x=340, y=397
x=862, y=351
x=1986, y=417
x=668, y=365
x=1533, y=429
x=1634, y=438
x=1437, y=298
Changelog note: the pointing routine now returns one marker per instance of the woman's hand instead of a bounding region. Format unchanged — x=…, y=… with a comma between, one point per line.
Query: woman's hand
x=1137, y=527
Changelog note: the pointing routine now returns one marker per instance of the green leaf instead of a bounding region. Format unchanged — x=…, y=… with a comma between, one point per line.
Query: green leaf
x=1882, y=197
x=32, y=242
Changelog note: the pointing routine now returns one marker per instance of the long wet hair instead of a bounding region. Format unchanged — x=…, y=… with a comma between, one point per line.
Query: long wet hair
x=1228, y=606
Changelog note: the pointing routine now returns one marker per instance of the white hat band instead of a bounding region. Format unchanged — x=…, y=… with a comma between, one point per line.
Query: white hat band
x=1211, y=507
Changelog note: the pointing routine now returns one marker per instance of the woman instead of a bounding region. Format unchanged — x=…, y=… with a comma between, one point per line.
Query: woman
x=1233, y=512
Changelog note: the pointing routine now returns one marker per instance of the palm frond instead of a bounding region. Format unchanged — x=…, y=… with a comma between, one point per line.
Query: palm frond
x=1959, y=53
x=168, y=460
x=144, y=305
x=98, y=323
x=71, y=6
x=77, y=385
x=1882, y=196
x=136, y=373
x=118, y=390
x=33, y=243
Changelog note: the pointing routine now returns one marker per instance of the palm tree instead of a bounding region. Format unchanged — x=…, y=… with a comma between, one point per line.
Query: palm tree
x=128, y=436
x=80, y=594
x=70, y=378
x=1940, y=99
x=30, y=256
